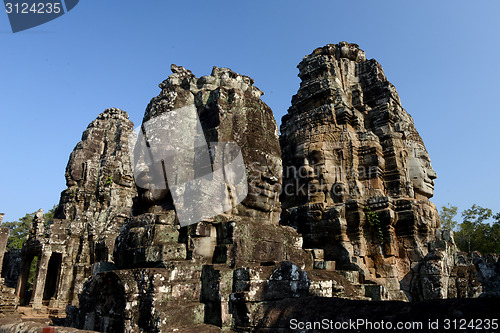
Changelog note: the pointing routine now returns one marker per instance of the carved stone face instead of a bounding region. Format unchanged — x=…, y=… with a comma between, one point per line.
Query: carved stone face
x=264, y=182
x=227, y=110
x=318, y=168
x=420, y=170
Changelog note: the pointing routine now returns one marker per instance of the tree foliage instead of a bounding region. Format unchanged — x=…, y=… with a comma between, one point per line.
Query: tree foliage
x=32, y=273
x=447, y=217
x=20, y=229
x=374, y=221
x=478, y=231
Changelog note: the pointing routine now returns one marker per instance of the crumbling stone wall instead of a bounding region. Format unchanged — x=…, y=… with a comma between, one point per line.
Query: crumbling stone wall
x=488, y=272
x=8, y=300
x=4, y=235
x=11, y=267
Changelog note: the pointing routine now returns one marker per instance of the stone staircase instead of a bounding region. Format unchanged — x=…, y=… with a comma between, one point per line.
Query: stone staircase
x=366, y=290
x=8, y=299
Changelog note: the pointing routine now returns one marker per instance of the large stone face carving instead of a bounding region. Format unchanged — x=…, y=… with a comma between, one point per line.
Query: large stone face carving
x=357, y=176
x=420, y=170
x=88, y=218
x=99, y=173
x=230, y=110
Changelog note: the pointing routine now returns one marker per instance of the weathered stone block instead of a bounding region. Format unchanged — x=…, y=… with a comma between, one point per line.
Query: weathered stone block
x=376, y=292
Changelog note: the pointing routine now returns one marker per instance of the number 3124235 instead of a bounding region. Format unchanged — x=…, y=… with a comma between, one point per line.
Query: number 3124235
x=35, y=8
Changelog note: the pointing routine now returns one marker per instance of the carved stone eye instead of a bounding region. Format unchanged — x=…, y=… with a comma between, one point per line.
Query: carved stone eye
x=298, y=161
x=316, y=157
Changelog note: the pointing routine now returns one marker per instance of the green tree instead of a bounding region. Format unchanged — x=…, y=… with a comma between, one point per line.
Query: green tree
x=20, y=229
x=494, y=234
x=49, y=216
x=475, y=233
x=447, y=217
x=32, y=273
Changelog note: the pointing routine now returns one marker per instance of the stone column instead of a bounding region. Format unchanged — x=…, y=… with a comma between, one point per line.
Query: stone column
x=22, y=281
x=4, y=234
x=66, y=281
x=1, y=217
x=64, y=288
x=40, y=281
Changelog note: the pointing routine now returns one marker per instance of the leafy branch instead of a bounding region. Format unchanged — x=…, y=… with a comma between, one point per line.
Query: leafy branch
x=374, y=222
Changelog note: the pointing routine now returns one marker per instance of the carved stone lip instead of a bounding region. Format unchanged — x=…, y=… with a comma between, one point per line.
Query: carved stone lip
x=429, y=182
x=309, y=179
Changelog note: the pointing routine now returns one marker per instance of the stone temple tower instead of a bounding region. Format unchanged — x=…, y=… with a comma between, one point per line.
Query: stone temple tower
x=357, y=176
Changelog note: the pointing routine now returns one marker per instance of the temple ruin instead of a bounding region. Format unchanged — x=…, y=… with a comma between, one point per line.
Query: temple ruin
x=337, y=211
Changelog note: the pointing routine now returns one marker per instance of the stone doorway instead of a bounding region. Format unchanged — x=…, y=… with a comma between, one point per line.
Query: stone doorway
x=53, y=272
x=27, y=279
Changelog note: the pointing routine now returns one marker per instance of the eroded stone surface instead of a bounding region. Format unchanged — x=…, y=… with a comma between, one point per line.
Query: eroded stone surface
x=8, y=299
x=488, y=268
x=11, y=267
x=100, y=182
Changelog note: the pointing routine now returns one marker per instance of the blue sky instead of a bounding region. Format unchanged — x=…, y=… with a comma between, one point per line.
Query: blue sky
x=443, y=58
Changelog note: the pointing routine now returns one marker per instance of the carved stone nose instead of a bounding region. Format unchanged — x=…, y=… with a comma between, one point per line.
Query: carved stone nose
x=431, y=173
x=307, y=171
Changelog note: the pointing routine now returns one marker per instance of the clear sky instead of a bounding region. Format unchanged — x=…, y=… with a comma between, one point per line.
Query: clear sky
x=442, y=56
